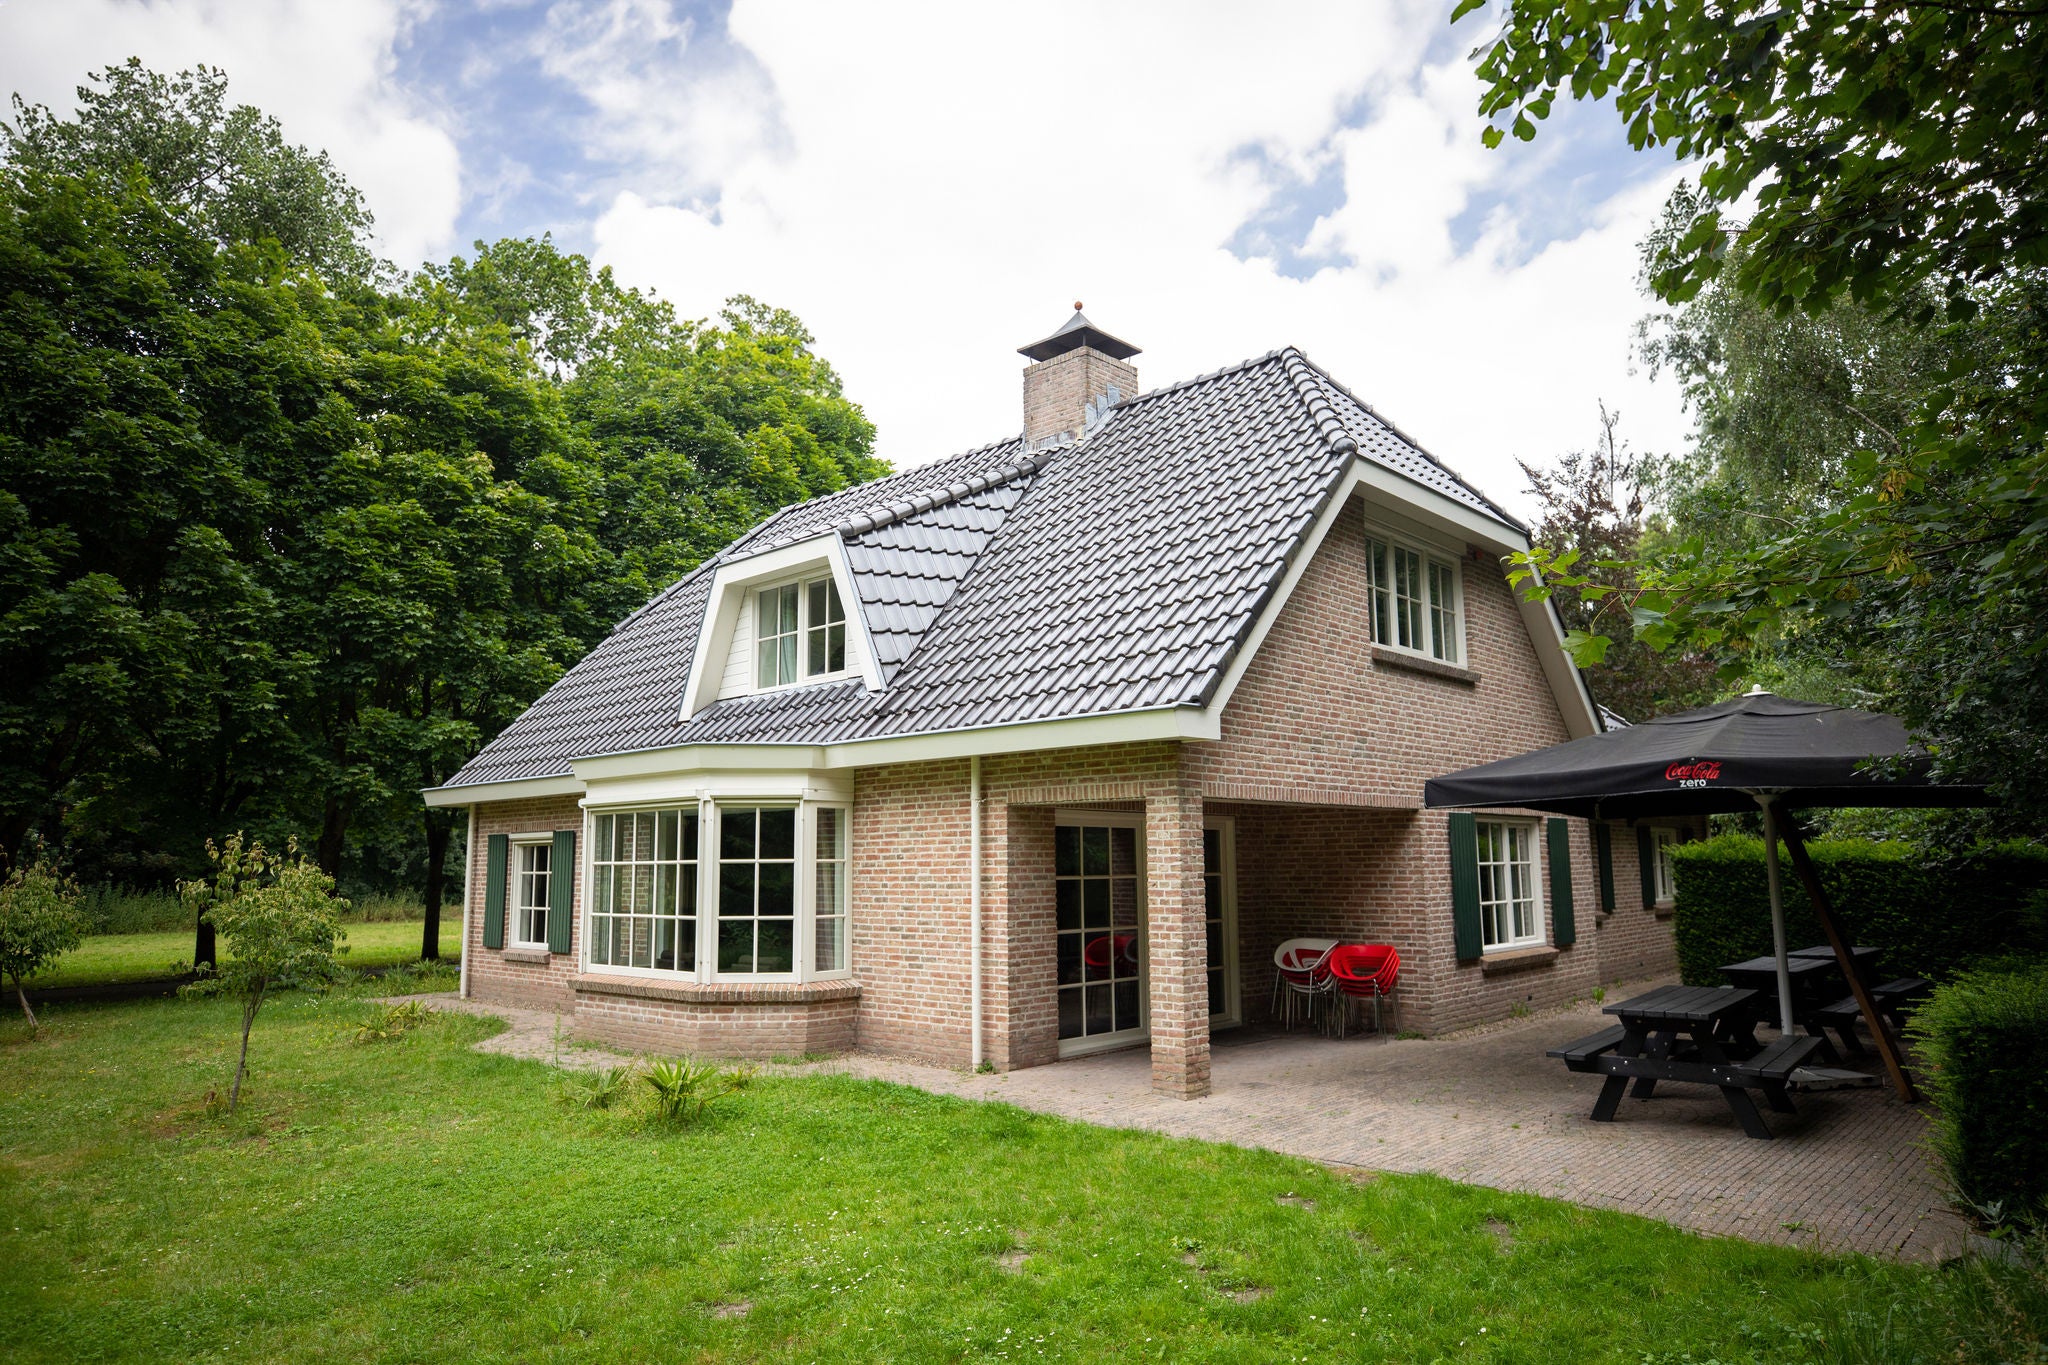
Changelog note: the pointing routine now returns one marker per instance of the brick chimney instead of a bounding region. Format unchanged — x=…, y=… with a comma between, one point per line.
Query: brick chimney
x=1078, y=372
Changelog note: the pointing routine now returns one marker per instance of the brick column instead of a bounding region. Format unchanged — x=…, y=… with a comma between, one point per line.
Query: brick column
x=1177, y=942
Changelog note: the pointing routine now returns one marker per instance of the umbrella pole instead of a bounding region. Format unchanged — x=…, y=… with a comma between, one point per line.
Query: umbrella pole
x=1880, y=1030
x=1775, y=877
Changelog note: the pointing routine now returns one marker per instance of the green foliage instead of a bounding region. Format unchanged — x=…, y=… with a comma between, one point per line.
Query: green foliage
x=1930, y=916
x=278, y=548
x=227, y=171
x=684, y=1089
x=393, y=1021
x=1876, y=477
x=278, y=920
x=1984, y=1035
x=39, y=922
x=597, y=1088
x=1883, y=145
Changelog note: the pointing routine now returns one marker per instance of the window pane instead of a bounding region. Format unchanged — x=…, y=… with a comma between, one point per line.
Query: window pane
x=1070, y=1014
x=601, y=939
x=1094, y=850
x=835, y=649
x=777, y=889
x=1066, y=851
x=1127, y=1004
x=604, y=834
x=1067, y=904
x=690, y=834
x=775, y=949
x=814, y=658
x=831, y=832
x=1069, y=958
x=736, y=833
x=785, y=603
x=735, y=945
x=787, y=662
x=665, y=839
x=1123, y=851
x=818, y=617
x=1100, y=1011
x=778, y=834
x=831, y=944
x=1095, y=903
x=665, y=944
x=735, y=891
x=766, y=670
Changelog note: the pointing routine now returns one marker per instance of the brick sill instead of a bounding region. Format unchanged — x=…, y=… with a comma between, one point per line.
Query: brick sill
x=1394, y=658
x=533, y=957
x=721, y=993
x=1517, y=960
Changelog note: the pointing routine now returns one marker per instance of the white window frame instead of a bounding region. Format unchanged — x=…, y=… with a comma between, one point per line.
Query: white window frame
x=1435, y=567
x=805, y=626
x=709, y=812
x=1109, y=1042
x=1538, y=920
x=520, y=878
x=1662, y=840
x=1233, y=1003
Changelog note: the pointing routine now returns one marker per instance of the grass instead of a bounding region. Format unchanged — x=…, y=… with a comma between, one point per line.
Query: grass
x=409, y=1199
x=137, y=957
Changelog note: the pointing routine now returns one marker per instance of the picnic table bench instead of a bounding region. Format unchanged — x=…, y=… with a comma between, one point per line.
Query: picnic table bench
x=1894, y=999
x=1700, y=1035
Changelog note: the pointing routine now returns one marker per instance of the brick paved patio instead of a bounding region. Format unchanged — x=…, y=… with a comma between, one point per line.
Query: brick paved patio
x=1848, y=1172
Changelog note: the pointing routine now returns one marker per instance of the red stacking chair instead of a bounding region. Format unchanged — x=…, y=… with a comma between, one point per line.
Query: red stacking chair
x=1362, y=970
x=1106, y=952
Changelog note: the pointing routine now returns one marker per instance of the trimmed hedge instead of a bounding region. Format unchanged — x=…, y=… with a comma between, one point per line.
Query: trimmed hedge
x=1984, y=1036
x=1929, y=918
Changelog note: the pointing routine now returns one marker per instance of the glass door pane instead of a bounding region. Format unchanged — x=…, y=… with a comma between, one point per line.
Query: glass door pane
x=1099, y=922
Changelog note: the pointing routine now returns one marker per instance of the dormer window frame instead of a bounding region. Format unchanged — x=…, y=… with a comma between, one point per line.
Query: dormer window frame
x=1415, y=593
x=809, y=639
x=736, y=586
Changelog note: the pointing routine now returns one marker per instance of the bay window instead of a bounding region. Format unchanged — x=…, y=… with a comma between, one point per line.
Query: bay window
x=1414, y=598
x=721, y=891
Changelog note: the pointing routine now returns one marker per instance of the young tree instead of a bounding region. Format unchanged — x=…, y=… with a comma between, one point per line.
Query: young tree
x=278, y=918
x=39, y=921
x=1593, y=505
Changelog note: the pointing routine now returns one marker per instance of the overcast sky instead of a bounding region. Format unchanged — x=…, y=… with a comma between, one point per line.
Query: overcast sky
x=932, y=185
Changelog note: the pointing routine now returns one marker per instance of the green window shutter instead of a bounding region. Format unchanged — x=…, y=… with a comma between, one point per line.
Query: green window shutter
x=1603, y=856
x=561, y=890
x=1564, y=926
x=1465, y=934
x=1646, y=855
x=498, y=854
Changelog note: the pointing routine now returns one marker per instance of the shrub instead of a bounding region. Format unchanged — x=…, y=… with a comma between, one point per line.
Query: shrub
x=1984, y=1035
x=39, y=921
x=1930, y=916
x=684, y=1090
x=598, y=1088
x=393, y=1021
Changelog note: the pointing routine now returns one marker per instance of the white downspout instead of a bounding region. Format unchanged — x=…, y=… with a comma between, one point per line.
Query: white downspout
x=468, y=862
x=974, y=907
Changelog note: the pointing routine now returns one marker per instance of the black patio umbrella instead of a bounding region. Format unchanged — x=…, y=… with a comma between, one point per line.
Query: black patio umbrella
x=1757, y=751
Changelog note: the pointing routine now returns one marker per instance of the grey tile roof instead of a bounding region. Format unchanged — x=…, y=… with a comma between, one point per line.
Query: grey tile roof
x=1122, y=573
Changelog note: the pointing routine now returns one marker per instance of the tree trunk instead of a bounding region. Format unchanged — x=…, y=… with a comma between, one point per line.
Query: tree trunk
x=333, y=831
x=22, y=995
x=436, y=884
x=202, y=944
x=249, y=1008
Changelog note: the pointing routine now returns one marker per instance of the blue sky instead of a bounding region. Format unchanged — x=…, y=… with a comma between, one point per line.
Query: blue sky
x=930, y=186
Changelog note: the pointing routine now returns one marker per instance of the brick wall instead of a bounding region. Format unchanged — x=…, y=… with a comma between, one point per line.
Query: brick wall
x=499, y=974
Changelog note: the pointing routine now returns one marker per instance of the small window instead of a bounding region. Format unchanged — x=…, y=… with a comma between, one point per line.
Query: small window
x=810, y=615
x=1414, y=599
x=1510, y=914
x=530, y=895
x=1664, y=840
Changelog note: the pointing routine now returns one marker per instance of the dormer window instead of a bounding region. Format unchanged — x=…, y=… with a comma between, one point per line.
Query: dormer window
x=799, y=623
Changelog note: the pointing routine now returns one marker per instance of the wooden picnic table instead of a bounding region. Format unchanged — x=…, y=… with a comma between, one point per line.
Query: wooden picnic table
x=1816, y=982
x=1700, y=1035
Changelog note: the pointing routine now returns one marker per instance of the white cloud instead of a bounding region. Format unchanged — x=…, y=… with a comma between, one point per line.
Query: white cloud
x=944, y=181
x=324, y=69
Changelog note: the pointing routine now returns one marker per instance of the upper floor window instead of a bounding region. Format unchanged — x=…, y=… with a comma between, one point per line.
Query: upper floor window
x=1414, y=598
x=800, y=633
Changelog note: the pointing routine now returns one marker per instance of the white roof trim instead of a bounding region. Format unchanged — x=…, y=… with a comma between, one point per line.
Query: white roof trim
x=728, y=596
x=472, y=793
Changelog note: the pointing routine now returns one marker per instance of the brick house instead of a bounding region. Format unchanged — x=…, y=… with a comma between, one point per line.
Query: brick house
x=1042, y=749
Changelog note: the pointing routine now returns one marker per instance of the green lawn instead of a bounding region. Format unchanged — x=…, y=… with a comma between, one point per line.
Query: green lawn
x=136, y=957
x=413, y=1200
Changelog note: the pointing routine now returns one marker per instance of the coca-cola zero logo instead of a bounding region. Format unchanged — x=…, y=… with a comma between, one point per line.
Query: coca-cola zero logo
x=1695, y=774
